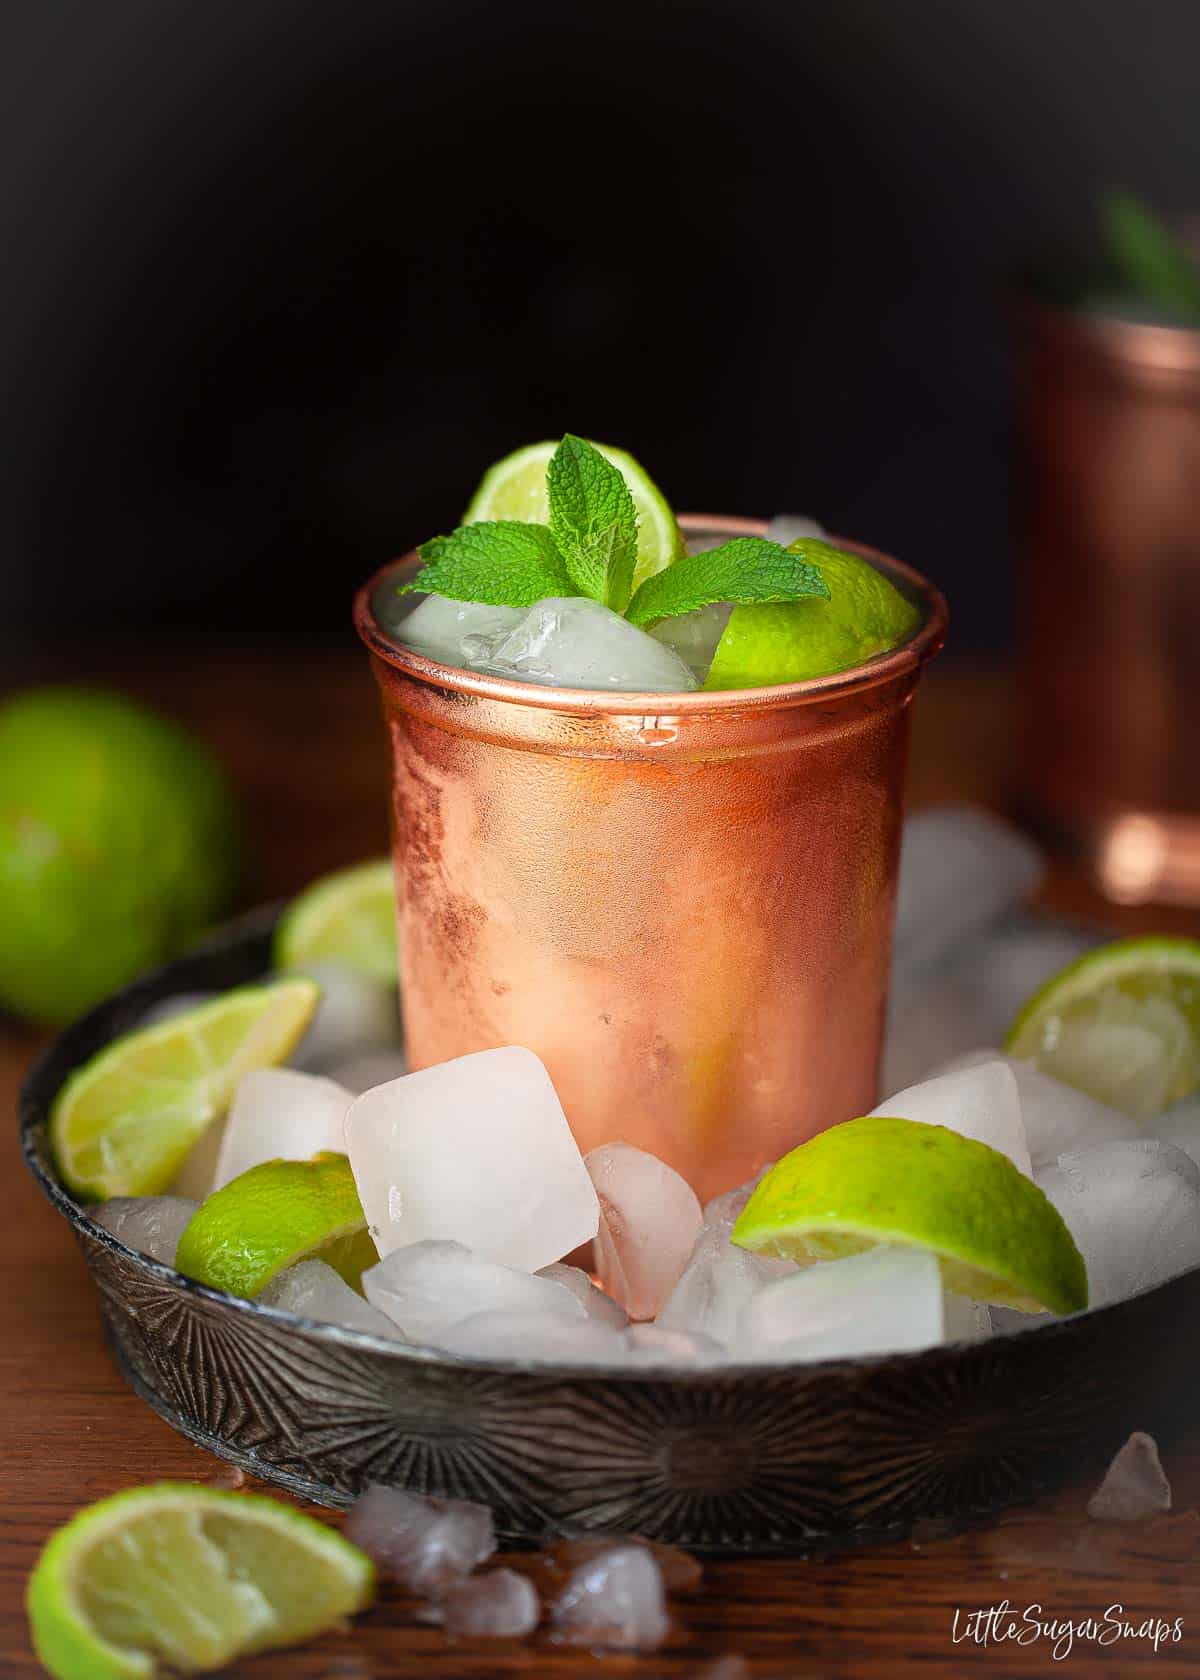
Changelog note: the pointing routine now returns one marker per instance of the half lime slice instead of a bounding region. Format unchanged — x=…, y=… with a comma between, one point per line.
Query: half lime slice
x=1121, y=1023
x=187, y=1577
x=884, y=1180
x=125, y=1122
x=515, y=488
x=348, y=919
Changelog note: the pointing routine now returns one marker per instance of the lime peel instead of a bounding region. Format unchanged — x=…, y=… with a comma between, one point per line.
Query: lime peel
x=881, y=1179
x=347, y=918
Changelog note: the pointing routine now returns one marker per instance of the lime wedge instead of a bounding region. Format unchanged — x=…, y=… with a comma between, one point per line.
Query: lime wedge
x=789, y=641
x=187, y=1577
x=881, y=1180
x=348, y=918
x=515, y=488
x=124, y=1123
x=1121, y=1023
x=273, y=1216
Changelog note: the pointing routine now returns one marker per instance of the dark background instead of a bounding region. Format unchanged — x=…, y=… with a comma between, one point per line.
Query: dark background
x=280, y=279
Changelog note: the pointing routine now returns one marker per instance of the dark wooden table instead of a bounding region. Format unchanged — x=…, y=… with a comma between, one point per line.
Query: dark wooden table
x=298, y=729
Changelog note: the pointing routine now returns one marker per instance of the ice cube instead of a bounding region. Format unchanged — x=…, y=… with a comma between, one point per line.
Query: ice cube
x=931, y=1020
x=368, y=1068
x=979, y=1102
x=615, y=1599
x=564, y=642
x=196, y=1178
x=427, y=1545
x=694, y=636
x=649, y=1220
x=314, y=1290
x=596, y=1304
x=964, y=1320
x=1134, y=1486
x=152, y=1224
x=1133, y=1210
x=960, y=869
x=499, y=1604
x=167, y=1008
x=788, y=528
x=478, y=1150
x=279, y=1114
x=721, y=1214
x=539, y=1337
x=715, y=1286
x=883, y=1301
x=1002, y=969
x=1179, y=1125
x=460, y=633
x=654, y=1344
x=429, y=1286
x=355, y=1013
x=1057, y=1118
x=680, y=1571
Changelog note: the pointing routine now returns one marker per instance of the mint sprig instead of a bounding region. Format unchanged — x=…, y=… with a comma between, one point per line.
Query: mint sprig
x=744, y=570
x=1156, y=265
x=593, y=520
x=500, y=562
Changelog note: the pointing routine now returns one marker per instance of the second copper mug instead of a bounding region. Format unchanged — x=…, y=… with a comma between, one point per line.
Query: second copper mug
x=684, y=905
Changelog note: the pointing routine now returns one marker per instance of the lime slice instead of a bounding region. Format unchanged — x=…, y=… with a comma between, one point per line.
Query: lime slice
x=881, y=1180
x=124, y=1123
x=789, y=641
x=515, y=488
x=275, y=1215
x=1121, y=1023
x=189, y=1577
x=348, y=918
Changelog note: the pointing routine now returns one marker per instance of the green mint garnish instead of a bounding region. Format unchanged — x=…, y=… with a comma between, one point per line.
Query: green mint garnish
x=500, y=562
x=744, y=570
x=593, y=520
x=1156, y=265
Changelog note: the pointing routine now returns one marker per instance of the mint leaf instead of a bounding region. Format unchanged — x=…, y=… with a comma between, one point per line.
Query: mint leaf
x=501, y=562
x=593, y=520
x=1156, y=265
x=743, y=570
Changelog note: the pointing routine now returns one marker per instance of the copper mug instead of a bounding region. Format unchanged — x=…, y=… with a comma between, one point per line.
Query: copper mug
x=1108, y=546
x=683, y=904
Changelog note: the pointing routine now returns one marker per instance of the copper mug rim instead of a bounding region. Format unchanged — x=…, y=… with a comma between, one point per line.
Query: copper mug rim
x=900, y=661
x=1137, y=349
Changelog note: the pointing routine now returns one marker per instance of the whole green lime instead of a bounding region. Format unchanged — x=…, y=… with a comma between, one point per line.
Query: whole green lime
x=118, y=844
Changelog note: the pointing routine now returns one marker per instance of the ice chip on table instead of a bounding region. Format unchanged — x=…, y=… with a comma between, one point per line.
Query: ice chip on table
x=152, y=1224
x=1134, y=1485
x=476, y=1150
x=886, y=1300
x=965, y=1320
x=499, y=1604
x=979, y=1102
x=788, y=528
x=460, y=633
x=715, y=1286
x=649, y=1221
x=615, y=1599
x=694, y=636
x=167, y=1008
x=279, y=1114
x=960, y=869
x=567, y=642
x=355, y=1013
x=429, y=1286
x=1134, y=1211
x=680, y=1571
x=596, y=1304
x=539, y=1337
x=1179, y=1125
x=368, y=1068
x=427, y=1545
x=655, y=1344
x=312, y=1289
x=1057, y=1118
